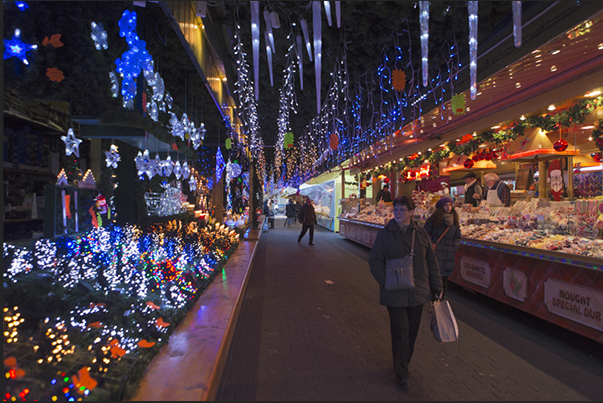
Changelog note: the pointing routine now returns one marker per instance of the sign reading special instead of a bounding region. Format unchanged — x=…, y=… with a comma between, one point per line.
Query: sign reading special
x=475, y=271
x=578, y=303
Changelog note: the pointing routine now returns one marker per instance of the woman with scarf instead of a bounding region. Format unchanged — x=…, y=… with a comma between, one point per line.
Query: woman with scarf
x=444, y=230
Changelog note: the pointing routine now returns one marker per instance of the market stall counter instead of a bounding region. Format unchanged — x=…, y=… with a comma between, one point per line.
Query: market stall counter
x=542, y=258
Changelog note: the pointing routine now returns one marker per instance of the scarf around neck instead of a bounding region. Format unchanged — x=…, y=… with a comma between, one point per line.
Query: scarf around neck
x=448, y=219
x=468, y=185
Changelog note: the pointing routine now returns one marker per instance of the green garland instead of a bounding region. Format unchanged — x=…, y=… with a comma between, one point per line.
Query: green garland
x=570, y=117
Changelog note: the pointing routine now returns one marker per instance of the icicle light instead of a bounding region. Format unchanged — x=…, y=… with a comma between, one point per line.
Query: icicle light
x=269, y=56
x=424, y=19
x=328, y=12
x=517, y=23
x=317, y=25
x=255, y=37
x=304, y=26
x=300, y=61
x=338, y=13
x=473, y=47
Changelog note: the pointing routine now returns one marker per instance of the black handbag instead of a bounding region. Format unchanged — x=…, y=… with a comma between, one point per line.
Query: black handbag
x=399, y=272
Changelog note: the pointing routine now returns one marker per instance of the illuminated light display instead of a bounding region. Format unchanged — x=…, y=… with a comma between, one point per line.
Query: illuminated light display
x=72, y=144
x=16, y=48
x=99, y=36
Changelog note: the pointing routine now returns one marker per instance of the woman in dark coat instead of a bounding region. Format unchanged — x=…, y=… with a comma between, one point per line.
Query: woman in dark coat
x=444, y=221
x=405, y=307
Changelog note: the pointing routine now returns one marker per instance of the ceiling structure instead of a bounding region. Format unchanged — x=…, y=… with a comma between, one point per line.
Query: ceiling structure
x=382, y=36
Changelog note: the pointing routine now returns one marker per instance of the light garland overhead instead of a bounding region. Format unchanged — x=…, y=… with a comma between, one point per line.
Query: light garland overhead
x=317, y=25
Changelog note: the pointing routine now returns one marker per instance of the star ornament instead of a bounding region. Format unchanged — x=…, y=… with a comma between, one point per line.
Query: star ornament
x=72, y=144
x=16, y=48
x=112, y=156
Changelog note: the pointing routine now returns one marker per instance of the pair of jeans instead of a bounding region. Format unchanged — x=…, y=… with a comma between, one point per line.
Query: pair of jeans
x=304, y=230
x=404, y=327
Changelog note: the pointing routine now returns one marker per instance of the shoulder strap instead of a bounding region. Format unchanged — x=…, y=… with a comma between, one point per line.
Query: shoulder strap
x=441, y=236
x=412, y=245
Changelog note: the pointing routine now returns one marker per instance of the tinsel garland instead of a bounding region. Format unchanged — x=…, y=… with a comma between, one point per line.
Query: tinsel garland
x=573, y=116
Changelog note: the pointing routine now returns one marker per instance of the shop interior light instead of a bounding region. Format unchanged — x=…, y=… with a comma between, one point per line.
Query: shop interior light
x=594, y=93
x=587, y=127
x=551, y=107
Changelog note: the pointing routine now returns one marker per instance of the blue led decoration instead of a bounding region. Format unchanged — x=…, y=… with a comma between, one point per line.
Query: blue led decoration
x=16, y=48
x=21, y=5
x=135, y=59
x=219, y=165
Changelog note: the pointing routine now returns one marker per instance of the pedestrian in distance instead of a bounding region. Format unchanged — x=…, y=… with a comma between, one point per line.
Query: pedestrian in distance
x=307, y=217
x=445, y=232
x=271, y=212
x=290, y=212
x=405, y=307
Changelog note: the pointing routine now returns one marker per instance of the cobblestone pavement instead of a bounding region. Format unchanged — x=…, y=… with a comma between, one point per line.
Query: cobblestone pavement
x=311, y=328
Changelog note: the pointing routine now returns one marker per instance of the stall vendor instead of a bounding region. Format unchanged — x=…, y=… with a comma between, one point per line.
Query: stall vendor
x=473, y=190
x=499, y=193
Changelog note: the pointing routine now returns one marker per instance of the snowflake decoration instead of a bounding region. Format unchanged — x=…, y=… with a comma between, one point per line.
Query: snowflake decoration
x=186, y=171
x=158, y=88
x=158, y=165
x=177, y=128
x=99, y=36
x=112, y=157
x=72, y=144
x=153, y=111
x=16, y=48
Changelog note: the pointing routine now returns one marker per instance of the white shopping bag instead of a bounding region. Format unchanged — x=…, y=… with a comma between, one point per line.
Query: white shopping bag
x=443, y=323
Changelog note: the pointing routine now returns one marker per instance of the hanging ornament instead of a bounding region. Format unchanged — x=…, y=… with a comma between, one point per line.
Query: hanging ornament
x=186, y=171
x=300, y=63
x=158, y=88
x=158, y=165
x=560, y=145
x=149, y=73
x=517, y=23
x=288, y=140
x=176, y=126
x=473, y=47
x=72, y=144
x=167, y=166
x=468, y=163
x=112, y=156
x=269, y=57
x=168, y=100
x=228, y=143
x=153, y=110
x=140, y=163
x=99, y=36
x=178, y=170
x=597, y=157
x=16, y=48
x=458, y=104
x=114, y=84
x=398, y=80
x=192, y=183
x=151, y=166
x=55, y=74
x=424, y=20
x=220, y=165
x=54, y=40
x=334, y=143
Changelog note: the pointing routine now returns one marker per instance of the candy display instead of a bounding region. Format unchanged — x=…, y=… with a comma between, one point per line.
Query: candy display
x=573, y=227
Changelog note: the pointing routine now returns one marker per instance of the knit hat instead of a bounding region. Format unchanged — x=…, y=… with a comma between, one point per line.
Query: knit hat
x=443, y=201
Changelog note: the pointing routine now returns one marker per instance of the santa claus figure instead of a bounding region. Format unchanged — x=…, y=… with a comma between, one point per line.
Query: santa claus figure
x=556, y=180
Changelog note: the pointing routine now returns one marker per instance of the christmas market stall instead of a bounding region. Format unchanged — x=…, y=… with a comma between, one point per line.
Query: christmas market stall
x=543, y=254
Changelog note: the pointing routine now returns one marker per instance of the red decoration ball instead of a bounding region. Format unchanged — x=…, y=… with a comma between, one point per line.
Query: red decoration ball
x=598, y=158
x=468, y=163
x=560, y=145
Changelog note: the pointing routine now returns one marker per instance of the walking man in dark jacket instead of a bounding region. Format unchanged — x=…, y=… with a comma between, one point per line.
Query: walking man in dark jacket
x=307, y=217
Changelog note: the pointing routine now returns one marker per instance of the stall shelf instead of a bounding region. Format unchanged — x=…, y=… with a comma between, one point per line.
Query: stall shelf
x=562, y=288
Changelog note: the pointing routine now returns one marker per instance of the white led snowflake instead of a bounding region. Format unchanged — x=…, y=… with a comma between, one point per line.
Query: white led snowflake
x=112, y=157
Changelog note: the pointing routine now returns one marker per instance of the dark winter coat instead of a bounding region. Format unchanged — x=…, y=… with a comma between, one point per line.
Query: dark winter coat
x=446, y=247
x=307, y=215
x=290, y=210
x=392, y=243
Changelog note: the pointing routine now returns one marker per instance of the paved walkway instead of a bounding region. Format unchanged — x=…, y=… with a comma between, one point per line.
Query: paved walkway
x=310, y=328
